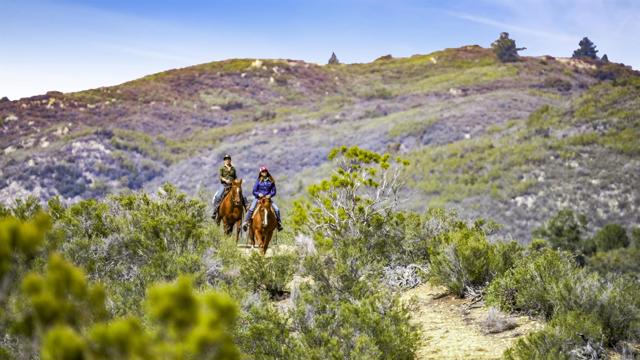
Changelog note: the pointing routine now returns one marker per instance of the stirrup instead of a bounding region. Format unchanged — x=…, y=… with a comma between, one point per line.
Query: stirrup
x=245, y=226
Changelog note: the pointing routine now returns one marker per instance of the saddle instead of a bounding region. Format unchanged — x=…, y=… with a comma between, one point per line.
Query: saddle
x=256, y=211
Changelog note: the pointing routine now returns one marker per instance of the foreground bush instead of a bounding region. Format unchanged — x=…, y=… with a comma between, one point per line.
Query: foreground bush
x=610, y=237
x=270, y=274
x=341, y=314
x=571, y=336
x=566, y=231
x=463, y=260
x=131, y=240
x=622, y=261
x=552, y=285
x=534, y=286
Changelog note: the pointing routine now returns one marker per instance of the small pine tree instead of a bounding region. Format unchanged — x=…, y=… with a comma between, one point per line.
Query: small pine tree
x=333, y=60
x=587, y=49
x=505, y=48
x=605, y=59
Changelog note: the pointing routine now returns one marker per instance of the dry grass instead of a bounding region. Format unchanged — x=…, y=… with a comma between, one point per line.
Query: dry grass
x=452, y=328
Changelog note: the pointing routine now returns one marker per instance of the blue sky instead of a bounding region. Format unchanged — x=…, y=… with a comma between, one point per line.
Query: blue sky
x=70, y=45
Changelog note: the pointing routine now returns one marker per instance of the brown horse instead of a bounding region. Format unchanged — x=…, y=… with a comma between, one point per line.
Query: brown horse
x=231, y=209
x=262, y=224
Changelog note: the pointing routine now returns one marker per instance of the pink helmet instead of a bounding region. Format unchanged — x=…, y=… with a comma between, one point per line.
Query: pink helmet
x=263, y=168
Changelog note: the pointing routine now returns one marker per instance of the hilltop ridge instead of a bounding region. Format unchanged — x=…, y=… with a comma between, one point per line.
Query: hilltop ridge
x=511, y=142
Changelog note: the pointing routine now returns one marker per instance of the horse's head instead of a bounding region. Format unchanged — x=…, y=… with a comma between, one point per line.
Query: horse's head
x=236, y=192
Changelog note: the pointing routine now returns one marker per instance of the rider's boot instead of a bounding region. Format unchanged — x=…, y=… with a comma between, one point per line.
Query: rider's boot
x=245, y=224
x=246, y=202
x=280, y=228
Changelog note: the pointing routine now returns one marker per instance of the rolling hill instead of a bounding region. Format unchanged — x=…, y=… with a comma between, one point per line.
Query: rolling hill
x=510, y=142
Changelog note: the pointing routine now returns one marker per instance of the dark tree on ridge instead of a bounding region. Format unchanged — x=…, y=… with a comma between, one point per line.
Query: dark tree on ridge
x=505, y=48
x=587, y=50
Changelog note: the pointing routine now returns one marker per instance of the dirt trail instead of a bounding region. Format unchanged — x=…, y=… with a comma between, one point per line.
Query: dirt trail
x=451, y=327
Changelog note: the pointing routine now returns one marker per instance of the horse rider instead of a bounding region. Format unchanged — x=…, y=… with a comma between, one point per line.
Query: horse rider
x=265, y=186
x=227, y=175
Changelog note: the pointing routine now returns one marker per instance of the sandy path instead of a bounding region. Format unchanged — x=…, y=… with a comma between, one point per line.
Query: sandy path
x=451, y=329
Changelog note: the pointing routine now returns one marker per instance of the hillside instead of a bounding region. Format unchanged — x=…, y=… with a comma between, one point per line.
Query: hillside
x=510, y=142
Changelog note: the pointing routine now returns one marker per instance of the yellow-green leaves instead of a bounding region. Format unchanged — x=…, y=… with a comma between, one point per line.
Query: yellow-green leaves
x=123, y=338
x=192, y=324
x=63, y=343
x=62, y=296
x=20, y=238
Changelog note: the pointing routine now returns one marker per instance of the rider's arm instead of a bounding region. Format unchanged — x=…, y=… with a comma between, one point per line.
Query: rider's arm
x=255, y=190
x=222, y=179
x=272, y=193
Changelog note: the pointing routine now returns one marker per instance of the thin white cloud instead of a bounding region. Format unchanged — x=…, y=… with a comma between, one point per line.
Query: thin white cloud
x=511, y=27
x=150, y=54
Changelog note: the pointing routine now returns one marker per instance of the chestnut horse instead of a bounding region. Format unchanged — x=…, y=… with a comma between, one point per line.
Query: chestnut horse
x=231, y=209
x=262, y=224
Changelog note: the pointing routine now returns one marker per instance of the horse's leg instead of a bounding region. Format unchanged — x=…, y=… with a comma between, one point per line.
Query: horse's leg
x=267, y=240
x=226, y=227
x=238, y=228
x=258, y=238
x=252, y=234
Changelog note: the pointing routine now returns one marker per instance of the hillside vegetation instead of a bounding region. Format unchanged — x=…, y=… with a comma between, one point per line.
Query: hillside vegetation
x=512, y=142
x=147, y=276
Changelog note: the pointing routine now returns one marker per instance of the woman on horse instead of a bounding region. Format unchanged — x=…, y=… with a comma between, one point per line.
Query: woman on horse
x=265, y=186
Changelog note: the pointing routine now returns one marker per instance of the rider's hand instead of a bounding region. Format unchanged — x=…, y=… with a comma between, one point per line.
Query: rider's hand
x=260, y=195
x=268, y=196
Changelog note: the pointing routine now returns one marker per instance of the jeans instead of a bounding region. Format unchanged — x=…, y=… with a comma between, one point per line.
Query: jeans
x=254, y=203
x=217, y=198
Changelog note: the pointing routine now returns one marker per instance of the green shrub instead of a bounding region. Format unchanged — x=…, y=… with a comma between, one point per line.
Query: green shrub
x=463, y=260
x=611, y=236
x=535, y=285
x=340, y=314
x=565, y=337
x=618, y=261
x=123, y=338
x=565, y=231
x=270, y=274
x=635, y=236
x=357, y=203
x=506, y=256
x=137, y=237
x=265, y=333
x=196, y=325
x=62, y=296
x=63, y=343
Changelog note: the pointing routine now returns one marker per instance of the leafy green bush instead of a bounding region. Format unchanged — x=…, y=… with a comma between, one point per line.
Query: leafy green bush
x=611, y=236
x=618, y=261
x=565, y=337
x=137, y=238
x=358, y=201
x=265, y=333
x=341, y=314
x=62, y=296
x=270, y=274
x=463, y=259
x=566, y=231
x=534, y=286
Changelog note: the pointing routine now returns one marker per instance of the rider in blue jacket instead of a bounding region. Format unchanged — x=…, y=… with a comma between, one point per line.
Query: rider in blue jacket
x=265, y=186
